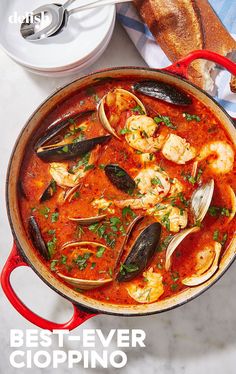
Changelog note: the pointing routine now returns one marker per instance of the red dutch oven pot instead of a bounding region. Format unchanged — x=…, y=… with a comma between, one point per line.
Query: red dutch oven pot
x=23, y=254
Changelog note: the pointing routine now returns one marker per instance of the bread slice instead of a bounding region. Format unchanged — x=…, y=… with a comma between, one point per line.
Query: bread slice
x=181, y=26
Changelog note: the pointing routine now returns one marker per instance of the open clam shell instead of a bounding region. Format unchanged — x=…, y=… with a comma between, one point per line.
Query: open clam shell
x=88, y=220
x=174, y=243
x=141, y=252
x=201, y=200
x=164, y=92
x=207, y=271
x=84, y=284
x=102, y=113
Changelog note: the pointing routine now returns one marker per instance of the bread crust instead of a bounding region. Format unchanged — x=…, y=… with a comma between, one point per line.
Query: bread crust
x=181, y=26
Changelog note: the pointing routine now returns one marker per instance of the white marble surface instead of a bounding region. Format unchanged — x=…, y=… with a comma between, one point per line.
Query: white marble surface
x=199, y=337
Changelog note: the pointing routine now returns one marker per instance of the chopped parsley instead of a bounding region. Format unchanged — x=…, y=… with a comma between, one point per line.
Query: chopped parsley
x=127, y=211
x=51, y=245
x=124, y=131
x=216, y=235
x=130, y=268
x=191, y=117
x=164, y=244
x=55, y=217
x=175, y=276
x=138, y=109
x=44, y=211
x=100, y=251
x=53, y=264
x=166, y=221
x=81, y=261
x=156, y=181
x=93, y=265
x=63, y=259
x=166, y=121
x=65, y=149
x=79, y=231
x=216, y=211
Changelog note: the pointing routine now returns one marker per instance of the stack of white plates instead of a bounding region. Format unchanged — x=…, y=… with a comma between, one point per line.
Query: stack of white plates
x=76, y=47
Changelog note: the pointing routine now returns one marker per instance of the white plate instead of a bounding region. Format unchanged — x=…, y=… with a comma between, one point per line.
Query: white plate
x=79, y=68
x=84, y=35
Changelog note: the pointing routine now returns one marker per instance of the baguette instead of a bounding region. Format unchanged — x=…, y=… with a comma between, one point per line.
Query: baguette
x=181, y=26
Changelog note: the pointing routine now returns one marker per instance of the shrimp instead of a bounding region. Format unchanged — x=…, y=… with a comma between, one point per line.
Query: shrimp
x=221, y=156
x=152, y=290
x=153, y=185
x=70, y=177
x=171, y=217
x=59, y=172
x=140, y=130
x=103, y=204
x=178, y=150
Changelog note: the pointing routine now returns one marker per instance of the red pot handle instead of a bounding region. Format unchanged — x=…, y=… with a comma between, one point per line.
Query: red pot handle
x=15, y=260
x=181, y=66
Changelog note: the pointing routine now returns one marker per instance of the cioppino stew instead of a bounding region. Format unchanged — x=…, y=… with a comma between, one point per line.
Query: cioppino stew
x=127, y=191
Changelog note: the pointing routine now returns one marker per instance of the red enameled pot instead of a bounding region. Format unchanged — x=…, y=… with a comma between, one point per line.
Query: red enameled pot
x=23, y=254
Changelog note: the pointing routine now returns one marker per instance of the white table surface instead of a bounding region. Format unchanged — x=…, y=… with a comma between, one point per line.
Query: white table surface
x=197, y=338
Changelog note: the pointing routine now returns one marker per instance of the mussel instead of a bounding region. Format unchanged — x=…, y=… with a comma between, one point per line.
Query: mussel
x=37, y=238
x=141, y=253
x=49, y=191
x=120, y=99
x=201, y=200
x=163, y=91
x=56, y=127
x=57, y=153
x=120, y=178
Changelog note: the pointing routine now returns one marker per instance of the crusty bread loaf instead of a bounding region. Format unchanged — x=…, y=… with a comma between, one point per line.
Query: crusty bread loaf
x=181, y=26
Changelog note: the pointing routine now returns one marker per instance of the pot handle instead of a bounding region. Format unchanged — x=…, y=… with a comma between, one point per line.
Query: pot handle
x=181, y=66
x=15, y=260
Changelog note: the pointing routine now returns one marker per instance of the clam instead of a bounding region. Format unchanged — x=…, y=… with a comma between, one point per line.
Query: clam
x=49, y=191
x=37, y=239
x=174, y=243
x=84, y=284
x=83, y=245
x=207, y=265
x=122, y=99
x=201, y=200
x=120, y=178
x=56, y=127
x=88, y=220
x=141, y=253
x=62, y=152
x=164, y=92
x=233, y=204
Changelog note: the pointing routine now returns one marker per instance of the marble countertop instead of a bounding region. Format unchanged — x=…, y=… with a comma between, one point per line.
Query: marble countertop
x=199, y=337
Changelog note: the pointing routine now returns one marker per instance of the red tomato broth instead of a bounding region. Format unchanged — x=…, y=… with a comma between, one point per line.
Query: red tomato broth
x=35, y=178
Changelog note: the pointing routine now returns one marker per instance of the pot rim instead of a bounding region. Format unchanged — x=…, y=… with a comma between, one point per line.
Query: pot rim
x=124, y=69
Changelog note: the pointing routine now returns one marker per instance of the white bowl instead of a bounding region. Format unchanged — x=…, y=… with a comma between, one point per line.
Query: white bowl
x=85, y=34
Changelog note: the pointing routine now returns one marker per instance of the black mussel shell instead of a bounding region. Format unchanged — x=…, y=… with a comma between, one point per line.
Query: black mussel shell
x=164, y=92
x=37, y=238
x=49, y=192
x=56, y=127
x=120, y=178
x=70, y=151
x=141, y=253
